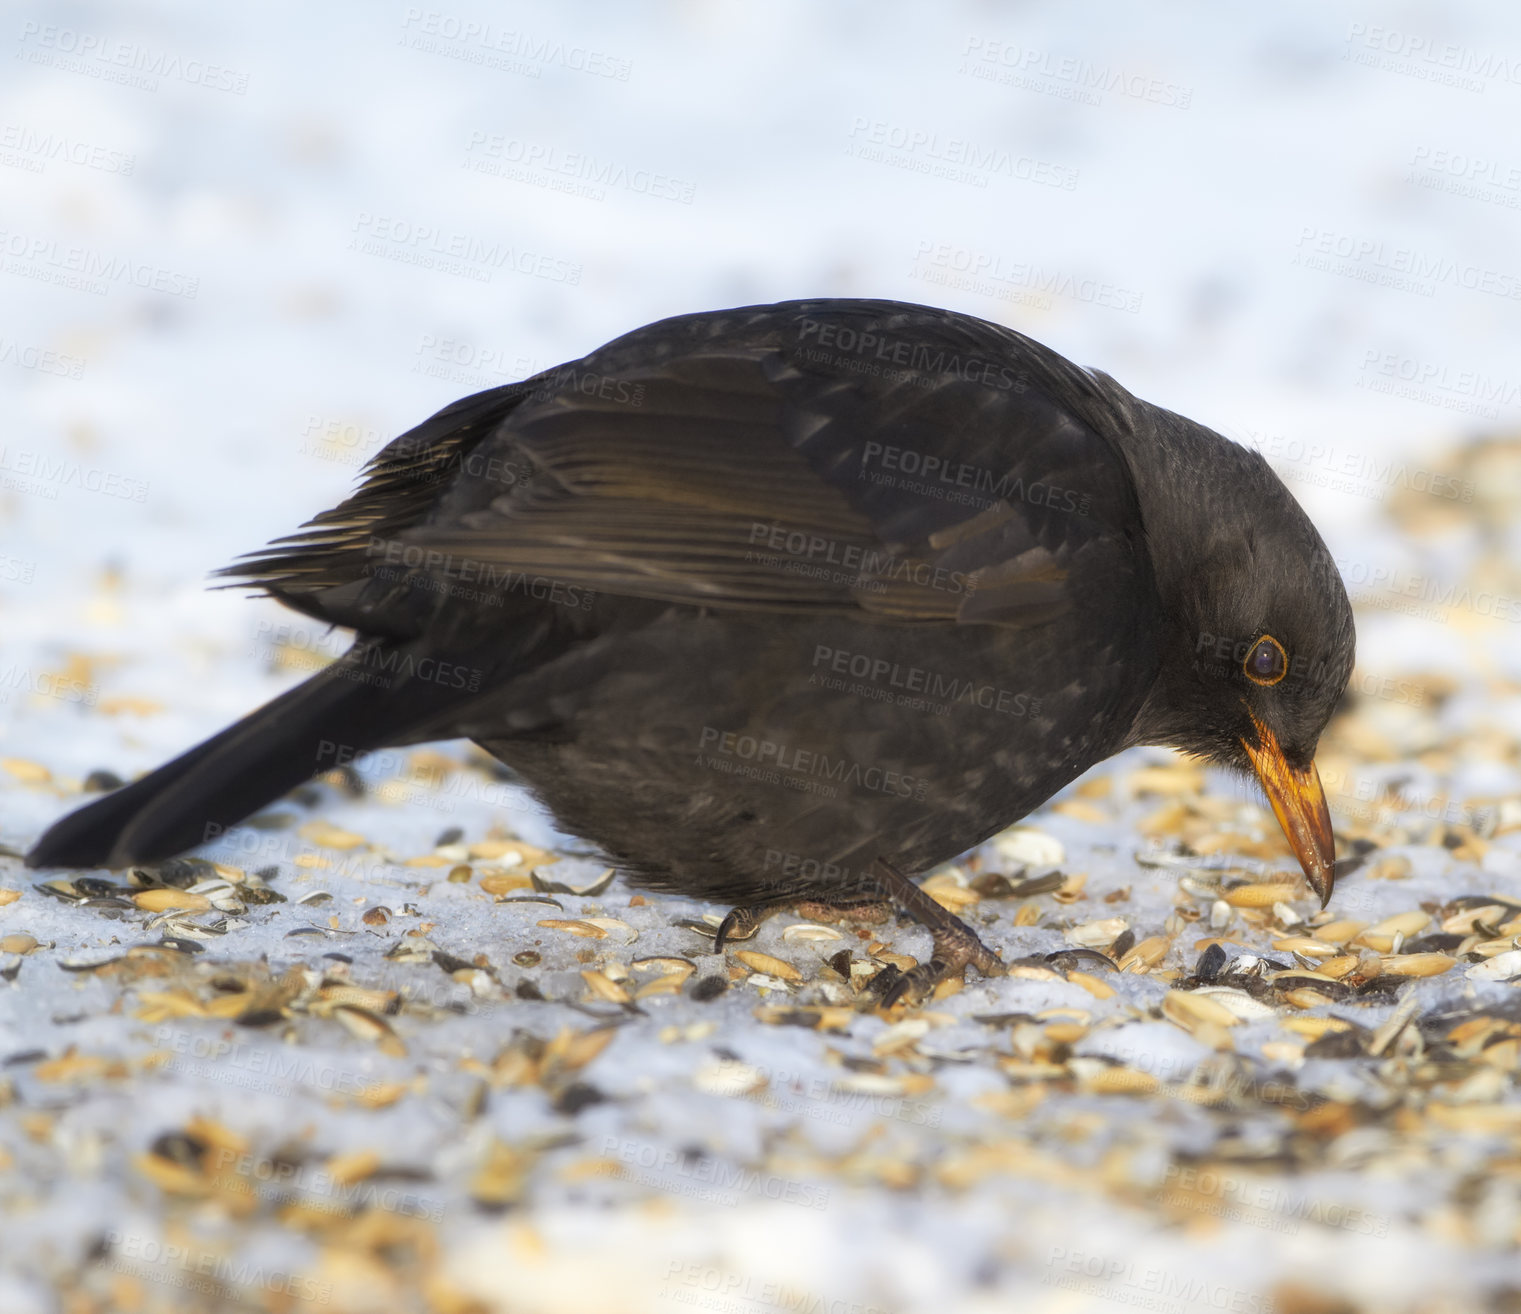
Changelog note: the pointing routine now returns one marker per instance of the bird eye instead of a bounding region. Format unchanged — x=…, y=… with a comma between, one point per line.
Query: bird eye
x=1267, y=662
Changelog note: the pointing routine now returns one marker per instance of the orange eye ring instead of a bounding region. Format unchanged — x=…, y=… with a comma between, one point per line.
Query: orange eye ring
x=1280, y=666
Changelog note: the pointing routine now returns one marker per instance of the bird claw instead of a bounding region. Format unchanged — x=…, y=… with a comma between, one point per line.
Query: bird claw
x=738, y=924
x=951, y=958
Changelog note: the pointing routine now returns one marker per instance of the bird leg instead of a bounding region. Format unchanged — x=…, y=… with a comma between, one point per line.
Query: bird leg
x=955, y=943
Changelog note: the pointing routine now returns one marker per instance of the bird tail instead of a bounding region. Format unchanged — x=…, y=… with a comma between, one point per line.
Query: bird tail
x=378, y=693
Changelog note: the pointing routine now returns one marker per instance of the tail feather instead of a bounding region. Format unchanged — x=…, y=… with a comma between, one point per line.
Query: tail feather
x=367, y=699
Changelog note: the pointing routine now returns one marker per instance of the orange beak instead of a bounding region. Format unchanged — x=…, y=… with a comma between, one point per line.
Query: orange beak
x=1299, y=803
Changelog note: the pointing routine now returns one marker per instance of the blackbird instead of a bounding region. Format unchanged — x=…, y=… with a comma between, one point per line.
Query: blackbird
x=776, y=604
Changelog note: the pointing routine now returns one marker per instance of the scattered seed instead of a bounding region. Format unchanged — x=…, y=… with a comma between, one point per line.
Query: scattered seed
x=809, y=933
x=1259, y=896
x=767, y=965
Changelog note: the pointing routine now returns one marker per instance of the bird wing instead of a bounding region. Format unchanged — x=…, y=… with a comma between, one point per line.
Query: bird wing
x=889, y=461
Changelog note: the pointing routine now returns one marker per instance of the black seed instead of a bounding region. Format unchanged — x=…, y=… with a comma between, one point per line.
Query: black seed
x=1211, y=962
x=270, y=821
x=1338, y=1045
x=101, y=781
x=25, y=1056
x=993, y=885
x=181, y=1148
x=1052, y=880
x=93, y=887
x=577, y=1096
x=708, y=987
x=261, y=1017
x=181, y=873
x=1066, y=957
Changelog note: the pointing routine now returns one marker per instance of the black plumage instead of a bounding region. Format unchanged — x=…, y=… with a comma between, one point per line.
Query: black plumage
x=771, y=603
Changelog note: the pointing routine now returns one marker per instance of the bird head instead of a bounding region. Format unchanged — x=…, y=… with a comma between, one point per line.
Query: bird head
x=1257, y=652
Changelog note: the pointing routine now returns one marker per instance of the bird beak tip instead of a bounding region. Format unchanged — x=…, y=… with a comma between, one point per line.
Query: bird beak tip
x=1299, y=803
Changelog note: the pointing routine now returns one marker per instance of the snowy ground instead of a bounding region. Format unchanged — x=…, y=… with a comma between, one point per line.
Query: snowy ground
x=240, y=252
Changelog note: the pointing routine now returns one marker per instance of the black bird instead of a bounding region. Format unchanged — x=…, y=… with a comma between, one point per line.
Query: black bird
x=775, y=604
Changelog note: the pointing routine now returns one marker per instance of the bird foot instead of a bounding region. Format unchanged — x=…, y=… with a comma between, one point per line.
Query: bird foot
x=955, y=949
x=956, y=945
